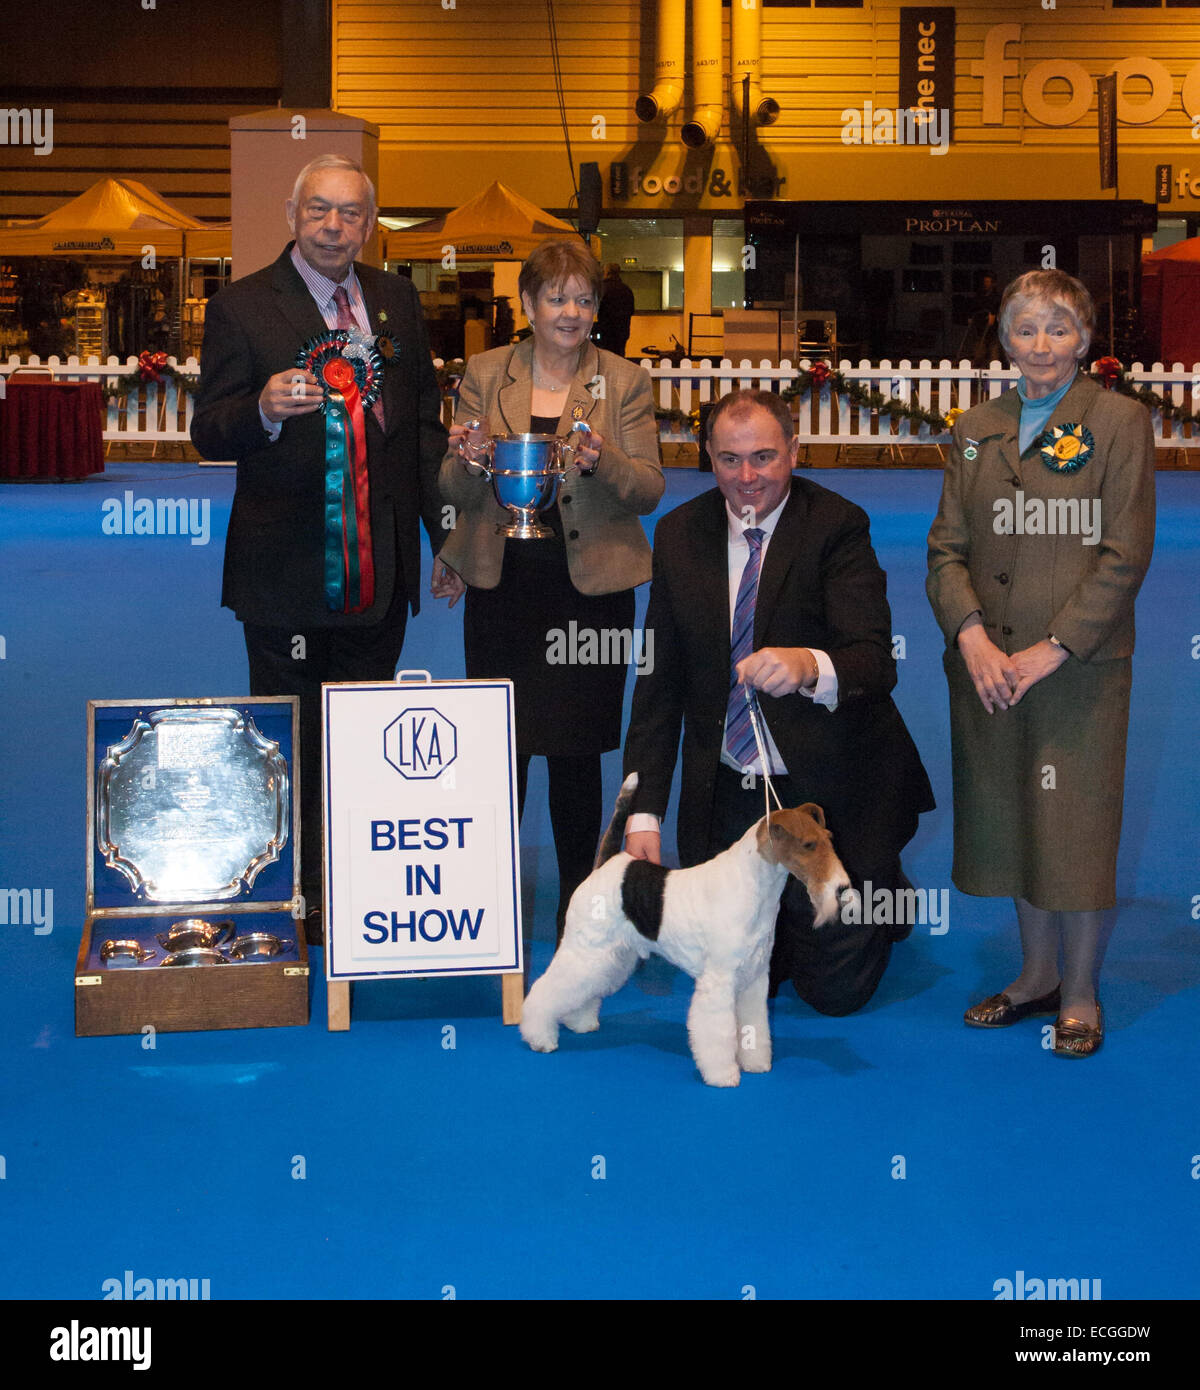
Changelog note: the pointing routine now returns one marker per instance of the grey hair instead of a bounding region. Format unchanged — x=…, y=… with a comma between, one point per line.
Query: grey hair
x=331, y=161
x=1048, y=287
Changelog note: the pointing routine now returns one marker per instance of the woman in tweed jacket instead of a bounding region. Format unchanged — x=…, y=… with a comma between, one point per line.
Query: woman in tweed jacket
x=1039, y=547
x=556, y=615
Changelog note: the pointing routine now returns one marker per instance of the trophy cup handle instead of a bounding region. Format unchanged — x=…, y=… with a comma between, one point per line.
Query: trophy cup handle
x=476, y=457
x=580, y=427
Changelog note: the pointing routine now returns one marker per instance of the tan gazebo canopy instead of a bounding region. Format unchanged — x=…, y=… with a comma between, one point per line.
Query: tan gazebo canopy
x=116, y=217
x=496, y=225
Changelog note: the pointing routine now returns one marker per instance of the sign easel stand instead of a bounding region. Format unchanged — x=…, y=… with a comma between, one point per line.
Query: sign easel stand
x=512, y=996
x=404, y=760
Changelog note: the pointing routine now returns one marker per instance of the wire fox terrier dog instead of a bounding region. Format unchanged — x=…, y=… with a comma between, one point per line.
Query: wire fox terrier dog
x=716, y=921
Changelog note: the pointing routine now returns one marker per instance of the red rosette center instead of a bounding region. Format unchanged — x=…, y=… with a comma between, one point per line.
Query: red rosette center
x=338, y=373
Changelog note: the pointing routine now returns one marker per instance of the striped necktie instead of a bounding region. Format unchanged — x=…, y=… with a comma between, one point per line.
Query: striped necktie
x=345, y=319
x=739, y=733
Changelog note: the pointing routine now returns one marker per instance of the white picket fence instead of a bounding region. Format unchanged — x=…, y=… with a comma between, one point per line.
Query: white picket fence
x=150, y=413
x=155, y=413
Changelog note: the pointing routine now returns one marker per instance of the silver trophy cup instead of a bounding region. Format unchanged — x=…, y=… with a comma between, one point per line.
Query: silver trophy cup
x=525, y=471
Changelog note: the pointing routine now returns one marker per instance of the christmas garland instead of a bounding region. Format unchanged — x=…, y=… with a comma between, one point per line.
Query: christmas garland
x=151, y=367
x=820, y=375
x=1107, y=370
x=1112, y=376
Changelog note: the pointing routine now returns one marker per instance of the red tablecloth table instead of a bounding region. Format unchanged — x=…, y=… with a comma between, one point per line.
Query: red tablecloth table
x=50, y=429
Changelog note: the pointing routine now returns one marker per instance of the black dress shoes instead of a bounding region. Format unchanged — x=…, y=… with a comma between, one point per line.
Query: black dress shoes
x=998, y=1010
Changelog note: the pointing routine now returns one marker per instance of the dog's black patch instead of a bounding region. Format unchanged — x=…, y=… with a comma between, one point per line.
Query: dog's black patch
x=642, y=891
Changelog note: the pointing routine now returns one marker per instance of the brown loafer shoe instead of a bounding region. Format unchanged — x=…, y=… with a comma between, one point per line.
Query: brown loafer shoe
x=1074, y=1038
x=999, y=1011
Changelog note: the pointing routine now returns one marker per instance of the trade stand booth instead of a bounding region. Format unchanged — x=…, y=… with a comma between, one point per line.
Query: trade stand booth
x=465, y=305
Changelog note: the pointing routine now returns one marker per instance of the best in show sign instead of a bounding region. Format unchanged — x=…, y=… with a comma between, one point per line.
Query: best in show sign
x=421, y=856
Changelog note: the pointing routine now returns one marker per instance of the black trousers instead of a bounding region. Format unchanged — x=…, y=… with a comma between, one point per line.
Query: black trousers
x=576, y=796
x=835, y=968
x=287, y=661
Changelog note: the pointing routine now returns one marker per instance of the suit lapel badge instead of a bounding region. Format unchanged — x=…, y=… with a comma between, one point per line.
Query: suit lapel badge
x=385, y=344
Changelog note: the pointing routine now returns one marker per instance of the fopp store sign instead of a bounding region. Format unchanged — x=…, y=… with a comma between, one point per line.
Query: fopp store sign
x=421, y=859
x=1000, y=62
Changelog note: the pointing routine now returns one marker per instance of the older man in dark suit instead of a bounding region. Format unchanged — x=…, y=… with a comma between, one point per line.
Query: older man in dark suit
x=254, y=405
x=770, y=581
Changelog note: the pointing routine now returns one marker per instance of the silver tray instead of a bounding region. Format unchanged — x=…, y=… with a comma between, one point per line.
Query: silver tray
x=192, y=804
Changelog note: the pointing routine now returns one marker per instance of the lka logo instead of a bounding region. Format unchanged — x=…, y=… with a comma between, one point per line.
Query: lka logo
x=420, y=744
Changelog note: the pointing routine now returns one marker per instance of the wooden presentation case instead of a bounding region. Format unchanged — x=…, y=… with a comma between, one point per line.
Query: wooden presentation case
x=239, y=994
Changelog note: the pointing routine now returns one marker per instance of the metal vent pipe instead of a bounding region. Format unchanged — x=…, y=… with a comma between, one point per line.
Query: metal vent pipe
x=668, y=63
x=745, y=42
x=707, y=75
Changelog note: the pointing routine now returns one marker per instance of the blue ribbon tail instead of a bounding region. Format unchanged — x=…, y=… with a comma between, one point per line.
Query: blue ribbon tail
x=337, y=465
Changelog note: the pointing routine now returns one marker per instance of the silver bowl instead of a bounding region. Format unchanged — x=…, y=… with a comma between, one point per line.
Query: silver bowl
x=258, y=945
x=195, y=931
x=196, y=955
x=124, y=955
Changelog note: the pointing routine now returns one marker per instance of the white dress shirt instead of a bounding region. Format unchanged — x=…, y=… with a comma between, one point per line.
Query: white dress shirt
x=825, y=691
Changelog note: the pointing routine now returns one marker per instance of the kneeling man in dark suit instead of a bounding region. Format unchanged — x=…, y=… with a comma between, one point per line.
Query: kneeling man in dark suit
x=770, y=581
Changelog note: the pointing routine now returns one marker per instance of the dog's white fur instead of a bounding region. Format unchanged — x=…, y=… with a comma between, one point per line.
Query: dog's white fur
x=718, y=924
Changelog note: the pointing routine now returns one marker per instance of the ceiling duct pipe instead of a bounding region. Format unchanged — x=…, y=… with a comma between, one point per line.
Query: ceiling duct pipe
x=707, y=76
x=745, y=42
x=668, y=63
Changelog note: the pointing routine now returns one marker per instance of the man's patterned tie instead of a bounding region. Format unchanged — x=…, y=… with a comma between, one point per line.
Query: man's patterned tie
x=739, y=733
x=345, y=319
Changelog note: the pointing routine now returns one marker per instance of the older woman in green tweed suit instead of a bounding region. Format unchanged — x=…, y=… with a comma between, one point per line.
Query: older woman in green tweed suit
x=1040, y=545
x=525, y=598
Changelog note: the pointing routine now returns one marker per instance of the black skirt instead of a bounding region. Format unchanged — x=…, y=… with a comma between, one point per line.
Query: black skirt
x=565, y=652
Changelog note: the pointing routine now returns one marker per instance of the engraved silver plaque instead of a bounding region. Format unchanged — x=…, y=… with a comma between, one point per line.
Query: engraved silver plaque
x=192, y=804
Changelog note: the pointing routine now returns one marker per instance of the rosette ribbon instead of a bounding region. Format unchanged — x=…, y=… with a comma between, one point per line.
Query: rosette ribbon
x=1066, y=448
x=349, y=380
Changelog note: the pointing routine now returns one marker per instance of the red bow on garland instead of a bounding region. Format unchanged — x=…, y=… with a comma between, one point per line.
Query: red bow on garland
x=151, y=365
x=1109, y=370
x=819, y=373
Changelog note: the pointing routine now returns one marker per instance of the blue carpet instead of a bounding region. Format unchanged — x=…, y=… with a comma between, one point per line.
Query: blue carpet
x=889, y=1155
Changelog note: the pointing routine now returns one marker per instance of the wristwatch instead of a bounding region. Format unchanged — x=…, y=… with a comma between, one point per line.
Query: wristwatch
x=1055, y=642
